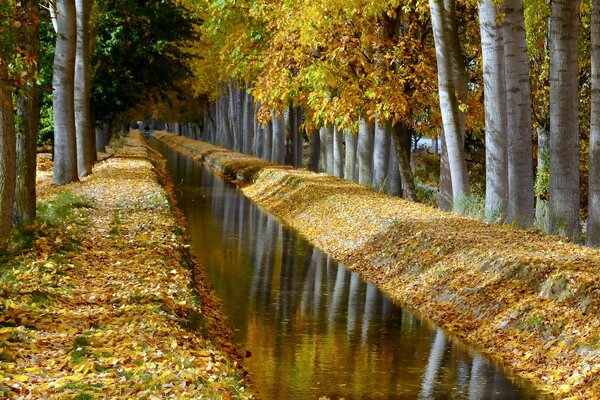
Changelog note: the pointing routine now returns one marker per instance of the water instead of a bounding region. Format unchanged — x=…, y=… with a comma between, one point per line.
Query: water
x=315, y=329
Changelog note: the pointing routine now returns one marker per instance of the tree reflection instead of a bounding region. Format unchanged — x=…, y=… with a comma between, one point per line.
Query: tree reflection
x=314, y=328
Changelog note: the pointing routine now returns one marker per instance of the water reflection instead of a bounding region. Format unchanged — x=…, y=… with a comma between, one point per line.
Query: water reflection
x=314, y=328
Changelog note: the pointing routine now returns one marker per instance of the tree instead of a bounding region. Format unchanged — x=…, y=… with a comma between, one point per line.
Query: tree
x=593, y=222
x=564, y=128
x=453, y=134
x=65, y=149
x=381, y=153
x=365, y=152
x=518, y=96
x=278, y=138
x=7, y=148
x=86, y=148
x=28, y=108
x=492, y=44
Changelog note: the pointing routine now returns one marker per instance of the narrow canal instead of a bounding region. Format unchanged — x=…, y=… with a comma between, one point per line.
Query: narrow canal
x=315, y=329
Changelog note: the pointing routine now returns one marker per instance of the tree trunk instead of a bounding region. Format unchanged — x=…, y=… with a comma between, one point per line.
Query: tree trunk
x=453, y=132
x=278, y=138
x=445, y=197
x=248, y=123
x=28, y=110
x=365, y=152
x=393, y=181
x=83, y=122
x=350, y=159
x=7, y=151
x=520, y=209
x=403, y=155
x=593, y=222
x=338, y=153
x=381, y=155
x=259, y=138
x=298, y=137
x=268, y=135
x=315, y=151
x=65, y=147
x=496, y=158
x=564, y=129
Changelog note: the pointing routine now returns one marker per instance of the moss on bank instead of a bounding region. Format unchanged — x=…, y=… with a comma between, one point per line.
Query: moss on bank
x=528, y=300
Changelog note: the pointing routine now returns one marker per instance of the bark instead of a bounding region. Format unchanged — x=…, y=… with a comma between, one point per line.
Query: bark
x=402, y=142
x=248, y=123
x=350, y=159
x=259, y=137
x=593, y=222
x=445, y=197
x=268, y=142
x=496, y=157
x=7, y=151
x=453, y=132
x=393, y=181
x=298, y=137
x=315, y=151
x=83, y=122
x=381, y=153
x=365, y=152
x=520, y=207
x=326, y=136
x=564, y=133
x=278, y=155
x=338, y=153
x=65, y=148
x=26, y=136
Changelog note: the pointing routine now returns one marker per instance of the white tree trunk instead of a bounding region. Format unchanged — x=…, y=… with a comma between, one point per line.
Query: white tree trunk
x=494, y=89
x=350, y=159
x=593, y=222
x=518, y=96
x=65, y=147
x=278, y=155
x=381, y=153
x=564, y=129
x=453, y=132
x=268, y=141
x=83, y=119
x=445, y=197
x=365, y=152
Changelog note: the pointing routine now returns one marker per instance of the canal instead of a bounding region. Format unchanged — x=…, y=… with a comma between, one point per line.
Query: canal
x=315, y=329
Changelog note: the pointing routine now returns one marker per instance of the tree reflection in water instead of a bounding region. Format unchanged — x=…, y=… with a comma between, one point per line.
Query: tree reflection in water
x=314, y=328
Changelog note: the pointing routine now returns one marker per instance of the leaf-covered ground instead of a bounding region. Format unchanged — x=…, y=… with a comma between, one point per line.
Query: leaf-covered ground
x=98, y=298
x=530, y=301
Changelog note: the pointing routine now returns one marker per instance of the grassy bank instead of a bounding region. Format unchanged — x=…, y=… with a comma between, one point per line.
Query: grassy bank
x=98, y=300
x=530, y=301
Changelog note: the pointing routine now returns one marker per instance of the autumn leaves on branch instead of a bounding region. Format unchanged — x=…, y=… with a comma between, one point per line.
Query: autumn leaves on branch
x=353, y=66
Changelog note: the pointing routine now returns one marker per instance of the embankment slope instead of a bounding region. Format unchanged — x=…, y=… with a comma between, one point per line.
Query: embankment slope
x=530, y=301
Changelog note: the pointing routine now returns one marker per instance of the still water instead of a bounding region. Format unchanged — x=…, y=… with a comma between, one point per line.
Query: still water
x=315, y=329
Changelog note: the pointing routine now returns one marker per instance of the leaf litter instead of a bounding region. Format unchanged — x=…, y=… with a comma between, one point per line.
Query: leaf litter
x=107, y=301
x=530, y=301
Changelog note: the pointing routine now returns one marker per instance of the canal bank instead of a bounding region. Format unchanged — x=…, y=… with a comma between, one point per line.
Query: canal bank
x=527, y=300
x=97, y=298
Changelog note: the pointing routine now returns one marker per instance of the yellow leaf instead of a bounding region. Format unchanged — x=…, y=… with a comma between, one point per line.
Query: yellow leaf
x=21, y=378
